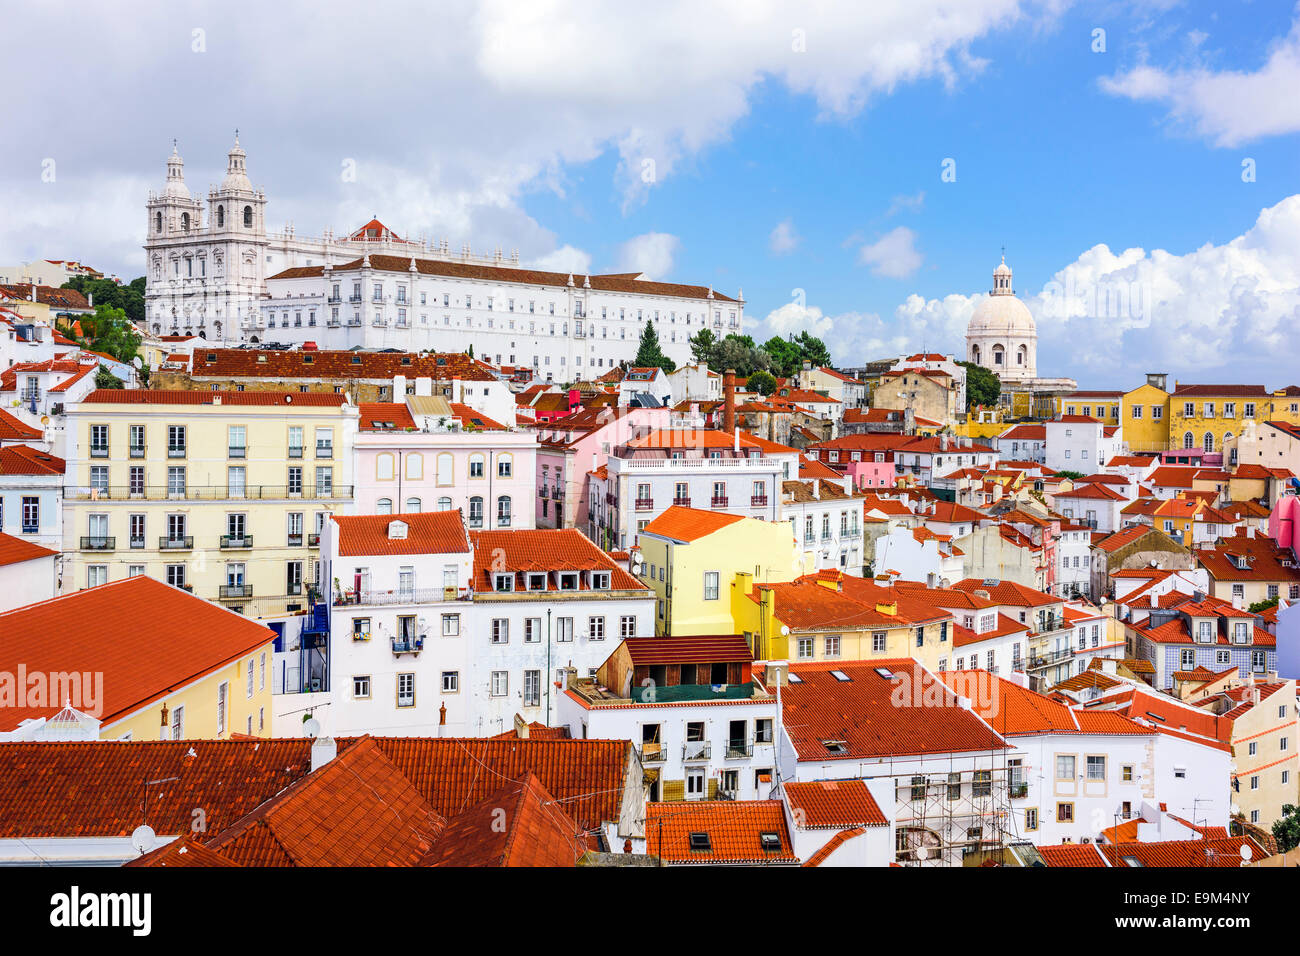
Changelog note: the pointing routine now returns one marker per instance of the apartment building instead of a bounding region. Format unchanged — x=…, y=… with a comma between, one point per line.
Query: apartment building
x=221, y=493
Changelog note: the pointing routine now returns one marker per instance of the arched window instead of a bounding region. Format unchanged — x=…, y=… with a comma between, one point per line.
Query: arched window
x=1022, y=354
x=185, y=222
x=248, y=217
x=412, y=506
x=503, y=511
x=1189, y=440
x=415, y=466
x=476, y=512
x=444, y=504
x=221, y=217
x=445, y=472
x=384, y=506
x=975, y=354
x=1208, y=443
x=384, y=467
x=157, y=222
x=997, y=355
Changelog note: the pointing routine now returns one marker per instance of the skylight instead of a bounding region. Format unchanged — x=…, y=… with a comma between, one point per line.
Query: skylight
x=840, y=675
x=700, y=842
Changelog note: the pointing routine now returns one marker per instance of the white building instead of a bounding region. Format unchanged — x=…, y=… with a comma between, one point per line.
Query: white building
x=1080, y=443
x=702, y=727
x=433, y=627
x=1025, y=442
x=826, y=523
x=28, y=572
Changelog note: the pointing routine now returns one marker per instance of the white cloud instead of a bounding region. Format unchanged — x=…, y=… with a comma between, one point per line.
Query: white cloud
x=565, y=259
x=905, y=204
x=1227, y=107
x=524, y=93
x=651, y=253
x=893, y=255
x=783, y=239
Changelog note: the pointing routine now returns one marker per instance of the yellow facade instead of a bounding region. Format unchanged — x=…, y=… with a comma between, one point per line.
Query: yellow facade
x=1264, y=752
x=693, y=580
x=1145, y=417
x=246, y=712
x=224, y=499
x=1105, y=407
x=1205, y=420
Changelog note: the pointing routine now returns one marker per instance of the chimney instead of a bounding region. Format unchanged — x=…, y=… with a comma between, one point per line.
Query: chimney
x=729, y=400
x=1108, y=665
x=323, y=750
x=777, y=673
x=424, y=386
x=399, y=387
x=442, y=718
x=521, y=727
x=573, y=399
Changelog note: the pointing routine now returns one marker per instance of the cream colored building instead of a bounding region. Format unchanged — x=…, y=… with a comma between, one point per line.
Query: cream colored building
x=221, y=493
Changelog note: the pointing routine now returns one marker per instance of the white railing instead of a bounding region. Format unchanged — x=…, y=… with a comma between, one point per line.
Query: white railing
x=692, y=464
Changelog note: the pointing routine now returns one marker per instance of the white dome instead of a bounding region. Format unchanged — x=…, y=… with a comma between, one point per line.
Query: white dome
x=1001, y=315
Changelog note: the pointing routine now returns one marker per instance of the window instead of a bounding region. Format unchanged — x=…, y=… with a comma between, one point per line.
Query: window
x=503, y=511
x=805, y=648
x=1096, y=768
x=878, y=642
x=1065, y=813
x=505, y=466
x=500, y=684
x=1031, y=818
x=1064, y=767
x=175, y=441
x=563, y=629
x=450, y=682
x=476, y=466
x=833, y=645
x=236, y=441
x=405, y=690
x=532, y=688
x=627, y=626
x=178, y=723
x=500, y=630
x=595, y=628
x=710, y=585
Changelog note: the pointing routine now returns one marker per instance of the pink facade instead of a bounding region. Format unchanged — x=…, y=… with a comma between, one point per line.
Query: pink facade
x=871, y=474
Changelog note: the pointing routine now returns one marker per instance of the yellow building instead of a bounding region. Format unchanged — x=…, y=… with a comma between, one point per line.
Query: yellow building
x=1145, y=415
x=1103, y=406
x=221, y=493
x=134, y=660
x=1266, y=773
x=692, y=558
x=830, y=616
x=1204, y=417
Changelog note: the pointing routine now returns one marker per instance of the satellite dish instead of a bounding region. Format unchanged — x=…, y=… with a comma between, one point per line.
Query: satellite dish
x=922, y=853
x=137, y=362
x=311, y=727
x=1246, y=853
x=785, y=630
x=143, y=838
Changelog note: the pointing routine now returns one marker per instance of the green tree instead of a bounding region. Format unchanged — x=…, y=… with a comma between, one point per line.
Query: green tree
x=649, y=354
x=982, y=386
x=812, y=349
x=129, y=298
x=111, y=332
x=739, y=352
x=1071, y=475
x=1287, y=830
x=789, y=354
x=1260, y=606
x=762, y=382
x=106, y=379
x=704, y=346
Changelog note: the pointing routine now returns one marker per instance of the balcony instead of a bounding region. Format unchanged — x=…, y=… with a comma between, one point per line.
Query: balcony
x=355, y=299
x=175, y=451
x=739, y=749
x=295, y=451
x=236, y=452
x=758, y=501
x=227, y=591
x=98, y=543
x=683, y=500
x=652, y=752
x=366, y=597
x=137, y=542
x=98, y=451
x=1019, y=791
x=168, y=543
x=644, y=504
x=294, y=540
x=333, y=299
x=210, y=492
x=693, y=751
x=408, y=645
x=716, y=502
x=233, y=542
x=136, y=451
x=313, y=540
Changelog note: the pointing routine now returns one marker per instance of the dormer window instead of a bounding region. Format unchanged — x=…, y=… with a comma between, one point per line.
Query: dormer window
x=600, y=580
x=503, y=582
x=536, y=582
x=1204, y=631
x=569, y=581
x=1240, y=632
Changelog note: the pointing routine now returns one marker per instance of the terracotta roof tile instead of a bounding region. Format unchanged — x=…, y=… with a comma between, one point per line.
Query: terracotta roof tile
x=689, y=524
x=734, y=830
x=561, y=549
x=16, y=550
x=427, y=532
x=834, y=803
x=264, y=363
x=147, y=396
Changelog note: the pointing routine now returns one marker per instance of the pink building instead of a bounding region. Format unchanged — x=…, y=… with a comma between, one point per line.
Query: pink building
x=871, y=474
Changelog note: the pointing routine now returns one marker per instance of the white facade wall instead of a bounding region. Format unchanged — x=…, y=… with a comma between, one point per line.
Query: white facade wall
x=836, y=539
x=27, y=582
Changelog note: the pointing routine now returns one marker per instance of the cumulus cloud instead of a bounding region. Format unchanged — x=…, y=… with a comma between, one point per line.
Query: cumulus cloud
x=524, y=93
x=893, y=255
x=783, y=239
x=651, y=253
x=565, y=259
x=1227, y=107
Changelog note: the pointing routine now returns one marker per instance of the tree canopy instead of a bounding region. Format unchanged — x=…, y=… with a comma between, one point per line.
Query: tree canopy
x=1287, y=830
x=109, y=331
x=649, y=354
x=129, y=298
x=982, y=386
x=781, y=357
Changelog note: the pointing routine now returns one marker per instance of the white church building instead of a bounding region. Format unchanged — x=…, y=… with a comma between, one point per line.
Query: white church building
x=217, y=272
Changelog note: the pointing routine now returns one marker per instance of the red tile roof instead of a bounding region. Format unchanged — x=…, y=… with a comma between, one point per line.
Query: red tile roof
x=612, y=282
x=427, y=532
x=357, y=810
x=1182, y=853
x=871, y=715
x=519, y=825
x=689, y=524
x=16, y=550
x=141, y=658
x=264, y=363
x=1071, y=854
x=701, y=649
x=733, y=827
x=12, y=429
x=149, y=396
x=385, y=416
x=22, y=460
x=541, y=550
x=833, y=803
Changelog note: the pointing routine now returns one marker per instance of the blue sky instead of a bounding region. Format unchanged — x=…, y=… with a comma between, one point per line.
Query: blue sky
x=528, y=126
